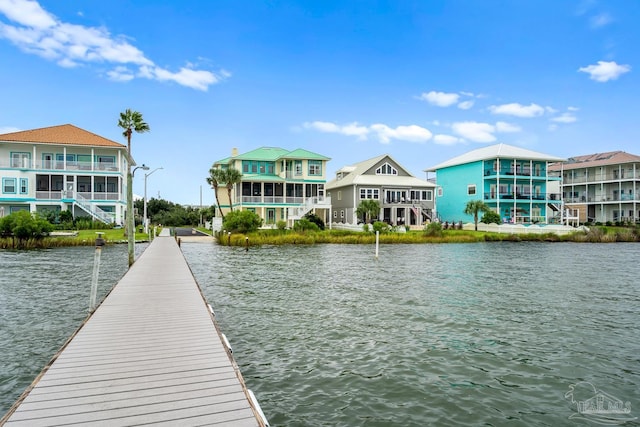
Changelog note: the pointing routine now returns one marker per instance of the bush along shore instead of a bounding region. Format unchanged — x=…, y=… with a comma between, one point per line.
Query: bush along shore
x=429, y=235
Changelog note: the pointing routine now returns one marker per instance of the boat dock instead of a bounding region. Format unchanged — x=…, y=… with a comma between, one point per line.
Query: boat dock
x=151, y=353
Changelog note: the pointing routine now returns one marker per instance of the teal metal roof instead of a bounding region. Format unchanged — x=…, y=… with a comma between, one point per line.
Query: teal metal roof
x=274, y=153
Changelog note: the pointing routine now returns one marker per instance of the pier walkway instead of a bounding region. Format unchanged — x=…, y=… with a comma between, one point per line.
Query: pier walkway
x=151, y=354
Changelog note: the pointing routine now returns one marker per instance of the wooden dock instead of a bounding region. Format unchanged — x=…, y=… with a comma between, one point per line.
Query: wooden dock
x=151, y=353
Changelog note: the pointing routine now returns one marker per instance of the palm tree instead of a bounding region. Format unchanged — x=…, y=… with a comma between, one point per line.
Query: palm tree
x=230, y=177
x=131, y=121
x=368, y=208
x=474, y=207
x=214, y=179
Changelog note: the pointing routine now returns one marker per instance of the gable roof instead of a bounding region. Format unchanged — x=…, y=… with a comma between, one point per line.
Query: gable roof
x=493, y=152
x=274, y=153
x=356, y=176
x=596, y=159
x=62, y=134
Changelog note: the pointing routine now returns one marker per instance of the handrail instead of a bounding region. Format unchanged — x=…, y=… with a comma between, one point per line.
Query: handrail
x=89, y=207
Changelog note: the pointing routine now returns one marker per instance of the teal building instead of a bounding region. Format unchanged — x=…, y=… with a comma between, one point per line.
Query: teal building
x=514, y=182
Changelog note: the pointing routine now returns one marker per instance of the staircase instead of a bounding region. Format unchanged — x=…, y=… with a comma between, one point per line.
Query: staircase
x=298, y=212
x=84, y=204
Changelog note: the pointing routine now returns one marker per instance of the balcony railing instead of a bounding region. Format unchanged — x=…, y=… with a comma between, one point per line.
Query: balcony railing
x=603, y=198
x=57, y=195
x=523, y=197
x=58, y=165
x=627, y=174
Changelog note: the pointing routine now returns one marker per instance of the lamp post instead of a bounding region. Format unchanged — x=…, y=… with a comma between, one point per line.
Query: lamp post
x=131, y=225
x=144, y=215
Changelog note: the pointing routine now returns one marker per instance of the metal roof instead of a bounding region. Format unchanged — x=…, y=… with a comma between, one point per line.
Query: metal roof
x=497, y=151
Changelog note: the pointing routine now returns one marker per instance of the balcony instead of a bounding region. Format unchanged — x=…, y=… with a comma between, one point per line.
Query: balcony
x=523, y=197
x=57, y=165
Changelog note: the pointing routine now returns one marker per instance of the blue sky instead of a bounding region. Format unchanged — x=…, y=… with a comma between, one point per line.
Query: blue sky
x=423, y=81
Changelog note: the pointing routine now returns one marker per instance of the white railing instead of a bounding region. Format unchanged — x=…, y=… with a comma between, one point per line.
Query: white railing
x=311, y=203
x=90, y=208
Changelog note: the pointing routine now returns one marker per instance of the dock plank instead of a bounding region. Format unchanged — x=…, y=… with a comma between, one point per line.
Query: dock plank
x=149, y=354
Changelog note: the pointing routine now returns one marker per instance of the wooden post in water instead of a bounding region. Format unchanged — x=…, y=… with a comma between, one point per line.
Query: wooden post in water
x=377, y=242
x=229, y=239
x=96, y=270
x=246, y=240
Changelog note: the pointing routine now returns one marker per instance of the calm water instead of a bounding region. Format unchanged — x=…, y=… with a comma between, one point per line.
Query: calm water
x=438, y=335
x=44, y=297
x=478, y=334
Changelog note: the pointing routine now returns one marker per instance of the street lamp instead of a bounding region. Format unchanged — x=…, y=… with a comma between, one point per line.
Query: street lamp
x=131, y=225
x=144, y=216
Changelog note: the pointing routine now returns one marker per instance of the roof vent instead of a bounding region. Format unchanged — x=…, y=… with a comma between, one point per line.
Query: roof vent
x=234, y=152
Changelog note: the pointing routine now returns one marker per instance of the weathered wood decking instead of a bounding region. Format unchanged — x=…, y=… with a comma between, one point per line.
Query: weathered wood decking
x=150, y=354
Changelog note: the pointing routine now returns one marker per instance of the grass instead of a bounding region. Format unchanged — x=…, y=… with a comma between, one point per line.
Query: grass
x=83, y=238
x=288, y=237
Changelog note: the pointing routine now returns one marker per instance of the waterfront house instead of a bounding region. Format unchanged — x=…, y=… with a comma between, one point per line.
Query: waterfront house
x=403, y=198
x=63, y=168
x=514, y=182
x=277, y=184
x=602, y=187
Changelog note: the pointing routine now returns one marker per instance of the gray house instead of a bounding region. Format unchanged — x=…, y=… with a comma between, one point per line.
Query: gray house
x=403, y=198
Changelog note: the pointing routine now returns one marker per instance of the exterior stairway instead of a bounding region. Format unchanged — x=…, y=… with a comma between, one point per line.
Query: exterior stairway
x=84, y=204
x=319, y=202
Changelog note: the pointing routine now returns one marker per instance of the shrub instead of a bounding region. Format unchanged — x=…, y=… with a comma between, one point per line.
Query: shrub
x=365, y=228
x=433, y=229
x=380, y=226
x=281, y=225
x=24, y=226
x=241, y=222
x=303, y=224
x=491, y=217
x=315, y=219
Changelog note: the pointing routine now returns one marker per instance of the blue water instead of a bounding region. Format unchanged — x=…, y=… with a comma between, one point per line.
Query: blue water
x=427, y=335
x=456, y=334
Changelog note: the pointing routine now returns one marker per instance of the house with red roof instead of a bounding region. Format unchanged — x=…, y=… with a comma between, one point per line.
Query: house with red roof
x=63, y=168
x=602, y=187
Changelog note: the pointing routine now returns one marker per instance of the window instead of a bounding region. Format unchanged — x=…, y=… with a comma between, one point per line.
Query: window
x=24, y=186
x=370, y=193
x=439, y=191
x=298, y=167
x=386, y=169
x=315, y=167
x=427, y=195
x=9, y=185
x=256, y=167
x=335, y=214
x=20, y=160
x=339, y=195
x=341, y=213
x=471, y=190
x=106, y=162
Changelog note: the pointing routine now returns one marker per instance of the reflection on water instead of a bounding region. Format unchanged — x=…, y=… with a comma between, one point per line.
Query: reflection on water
x=459, y=334
x=44, y=297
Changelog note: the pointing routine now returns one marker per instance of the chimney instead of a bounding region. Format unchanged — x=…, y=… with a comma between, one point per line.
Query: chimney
x=234, y=152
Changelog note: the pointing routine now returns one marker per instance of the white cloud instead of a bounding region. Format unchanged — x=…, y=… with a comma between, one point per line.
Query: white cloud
x=385, y=134
x=8, y=129
x=465, y=105
x=352, y=129
x=411, y=133
x=553, y=127
x=475, y=131
x=518, y=110
x=505, y=127
x=440, y=99
x=565, y=118
x=572, y=108
x=605, y=71
x=38, y=32
x=445, y=139
x=600, y=20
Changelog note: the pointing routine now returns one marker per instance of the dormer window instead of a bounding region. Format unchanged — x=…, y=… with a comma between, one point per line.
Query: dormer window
x=386, y=169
